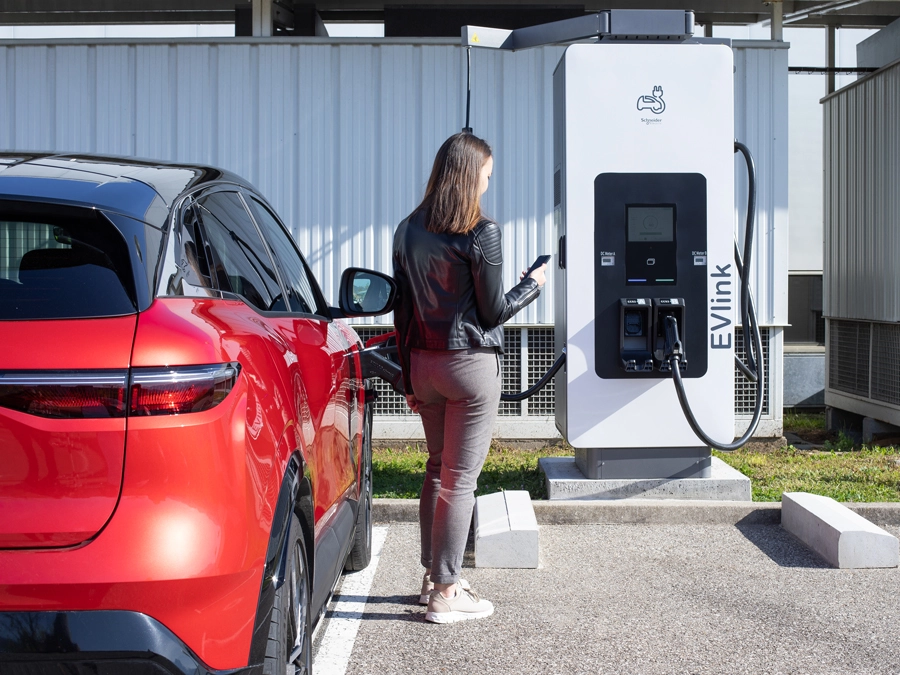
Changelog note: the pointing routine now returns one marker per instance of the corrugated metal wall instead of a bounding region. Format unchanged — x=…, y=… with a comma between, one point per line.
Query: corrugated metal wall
x=761, y=123
x=340, y=134
x=862, y=199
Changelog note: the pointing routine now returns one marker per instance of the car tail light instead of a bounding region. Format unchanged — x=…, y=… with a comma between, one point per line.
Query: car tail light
x=105, y=393
x=65, y=394
x=182, y=389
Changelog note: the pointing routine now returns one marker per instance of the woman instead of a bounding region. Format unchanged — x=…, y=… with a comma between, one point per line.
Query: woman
x=448, y=265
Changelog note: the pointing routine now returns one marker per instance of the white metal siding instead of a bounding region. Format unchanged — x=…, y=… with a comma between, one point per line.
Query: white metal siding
x=761, y=123
x=340, y=135
x=862, y=199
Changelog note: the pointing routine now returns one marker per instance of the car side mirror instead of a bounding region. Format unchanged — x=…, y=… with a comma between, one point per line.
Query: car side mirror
x=365, y=293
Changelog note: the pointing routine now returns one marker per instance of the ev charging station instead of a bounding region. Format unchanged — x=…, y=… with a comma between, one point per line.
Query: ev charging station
x=645, y=153
x=647, y=273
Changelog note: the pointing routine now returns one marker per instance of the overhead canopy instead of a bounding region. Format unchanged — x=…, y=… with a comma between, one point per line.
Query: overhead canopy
x=428, y=18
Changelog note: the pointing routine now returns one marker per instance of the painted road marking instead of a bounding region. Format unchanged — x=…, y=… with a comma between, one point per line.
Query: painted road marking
x=334, y=651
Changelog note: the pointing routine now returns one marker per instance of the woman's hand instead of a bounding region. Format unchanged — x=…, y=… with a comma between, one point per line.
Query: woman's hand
x=538, y=275
x=412, y=402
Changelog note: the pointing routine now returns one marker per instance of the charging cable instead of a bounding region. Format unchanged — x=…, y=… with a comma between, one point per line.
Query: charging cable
x=540, y=384
x=753, y=369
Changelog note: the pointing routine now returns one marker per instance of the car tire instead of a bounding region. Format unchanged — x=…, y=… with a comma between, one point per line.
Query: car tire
x=361, y=551
x=290, y=643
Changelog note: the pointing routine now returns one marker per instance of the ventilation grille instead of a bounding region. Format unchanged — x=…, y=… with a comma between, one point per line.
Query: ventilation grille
x=848, y=356
x=391, y=404
x=540, y=360
x=534, y=346
x=886, y=362
x=744, y=390
x=512, y=370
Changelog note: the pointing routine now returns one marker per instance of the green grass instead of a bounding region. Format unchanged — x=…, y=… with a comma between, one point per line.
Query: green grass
x=868, y=474
x=399, y=472
x=800, y=422
x=841, y=470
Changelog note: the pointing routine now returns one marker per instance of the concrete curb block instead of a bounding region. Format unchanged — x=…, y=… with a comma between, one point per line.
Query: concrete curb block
x=840, y=536
x=648, y=511
x=506, y=531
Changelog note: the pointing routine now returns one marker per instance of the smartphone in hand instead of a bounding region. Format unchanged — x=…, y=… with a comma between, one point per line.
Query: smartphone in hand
x=541, y=260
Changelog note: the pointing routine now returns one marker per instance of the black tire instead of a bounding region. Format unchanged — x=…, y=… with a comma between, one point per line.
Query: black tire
x=290, y=641
x=361, y=552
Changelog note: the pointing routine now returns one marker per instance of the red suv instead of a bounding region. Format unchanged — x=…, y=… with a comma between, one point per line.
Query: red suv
x=185, y=458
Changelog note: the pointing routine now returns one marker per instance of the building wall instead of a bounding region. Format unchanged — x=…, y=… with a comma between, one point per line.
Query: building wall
x=862, y=205
x=881, y=48
x=340, y=136
x=862, y=246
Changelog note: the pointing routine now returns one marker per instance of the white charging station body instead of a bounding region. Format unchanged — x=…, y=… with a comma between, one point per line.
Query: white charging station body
x=645, y=212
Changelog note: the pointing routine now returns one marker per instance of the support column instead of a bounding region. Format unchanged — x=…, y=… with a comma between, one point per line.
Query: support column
x=262, y=18
x=777, y=21
x=708, y=29
x=830, y=57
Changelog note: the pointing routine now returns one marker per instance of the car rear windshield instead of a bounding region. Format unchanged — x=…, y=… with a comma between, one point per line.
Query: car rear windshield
x=62, y=266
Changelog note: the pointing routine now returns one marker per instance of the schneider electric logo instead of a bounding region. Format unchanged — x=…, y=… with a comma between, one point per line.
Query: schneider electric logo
x=654, y=103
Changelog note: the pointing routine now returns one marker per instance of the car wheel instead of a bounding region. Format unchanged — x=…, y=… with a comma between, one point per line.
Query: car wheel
x=289, y=649
x=361, y=553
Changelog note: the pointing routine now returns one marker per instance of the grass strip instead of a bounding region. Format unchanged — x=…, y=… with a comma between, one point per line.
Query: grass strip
x=868, y=474
x=399, y=472
x=801, y=422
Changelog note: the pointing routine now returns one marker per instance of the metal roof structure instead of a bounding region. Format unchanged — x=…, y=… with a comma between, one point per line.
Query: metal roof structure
x=840, y=13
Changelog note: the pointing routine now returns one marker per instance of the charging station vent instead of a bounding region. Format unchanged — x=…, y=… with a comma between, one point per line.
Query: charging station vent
x=848, y=356
x=744, y=390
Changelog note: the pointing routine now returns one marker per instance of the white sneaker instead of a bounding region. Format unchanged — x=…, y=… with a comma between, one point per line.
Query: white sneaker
x=428, y=587
x=464, y=605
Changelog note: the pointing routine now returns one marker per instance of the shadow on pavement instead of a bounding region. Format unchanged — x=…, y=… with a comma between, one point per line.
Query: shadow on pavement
x=385, y=599
x=781, y=546
x=405, y=615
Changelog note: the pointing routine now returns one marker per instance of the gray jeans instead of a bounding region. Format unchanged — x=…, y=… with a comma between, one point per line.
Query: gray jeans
x=458, y=393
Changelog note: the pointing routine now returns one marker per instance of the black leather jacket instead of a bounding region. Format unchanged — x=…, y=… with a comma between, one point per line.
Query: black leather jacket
x=451, y=289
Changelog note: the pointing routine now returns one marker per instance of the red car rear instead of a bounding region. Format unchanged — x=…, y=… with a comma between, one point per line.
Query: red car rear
x=185, y=464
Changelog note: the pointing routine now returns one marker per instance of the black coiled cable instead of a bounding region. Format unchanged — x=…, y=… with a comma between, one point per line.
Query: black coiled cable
x=753, y=370
x=540, y=384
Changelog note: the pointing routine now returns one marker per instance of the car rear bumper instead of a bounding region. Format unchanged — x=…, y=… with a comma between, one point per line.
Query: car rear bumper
x=96, y=642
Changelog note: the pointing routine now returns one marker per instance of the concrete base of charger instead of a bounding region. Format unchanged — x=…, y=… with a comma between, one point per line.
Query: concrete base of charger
x=565, y=481
x=506, y=531
x=843, y=538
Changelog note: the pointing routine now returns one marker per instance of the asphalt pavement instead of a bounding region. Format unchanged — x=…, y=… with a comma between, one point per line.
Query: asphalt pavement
x=707, y=596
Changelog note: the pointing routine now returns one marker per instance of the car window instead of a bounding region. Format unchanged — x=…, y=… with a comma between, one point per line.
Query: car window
x=63, y=268
x=294, y=273
x=239, y=261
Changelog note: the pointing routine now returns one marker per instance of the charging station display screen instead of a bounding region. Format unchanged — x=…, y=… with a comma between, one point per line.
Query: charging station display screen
x=651, y=223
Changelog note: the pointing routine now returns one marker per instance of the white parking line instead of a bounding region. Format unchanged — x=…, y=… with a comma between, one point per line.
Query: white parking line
x=334, y=651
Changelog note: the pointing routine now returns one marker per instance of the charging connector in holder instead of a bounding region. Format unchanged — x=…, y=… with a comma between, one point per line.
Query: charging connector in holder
x=636, y=335
x=666, y=341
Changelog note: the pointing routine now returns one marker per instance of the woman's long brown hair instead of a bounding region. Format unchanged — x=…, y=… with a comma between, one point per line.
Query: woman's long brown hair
x=452, y=204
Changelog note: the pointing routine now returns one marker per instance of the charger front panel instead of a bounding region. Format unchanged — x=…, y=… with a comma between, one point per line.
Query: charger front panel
x=650, y=239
